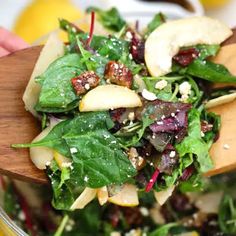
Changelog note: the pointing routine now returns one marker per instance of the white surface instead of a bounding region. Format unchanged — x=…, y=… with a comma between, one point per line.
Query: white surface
x=226, y=13
x=132, y=9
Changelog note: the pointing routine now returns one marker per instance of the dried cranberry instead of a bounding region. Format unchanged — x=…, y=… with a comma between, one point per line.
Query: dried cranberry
x=137, y=47
x=186, y=56
x=118, y=74
x=85, y=81
x=117, y=113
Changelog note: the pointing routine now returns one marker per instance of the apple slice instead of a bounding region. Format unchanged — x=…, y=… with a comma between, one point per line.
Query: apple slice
x=165, y=42
x=162, y=196
x=84, y=198
x=53, y=49
x=102, y=195
x=105, y=97
x=220, y=100
x=127, y=197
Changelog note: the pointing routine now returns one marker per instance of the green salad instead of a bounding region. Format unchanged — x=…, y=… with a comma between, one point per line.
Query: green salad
x=125, y=126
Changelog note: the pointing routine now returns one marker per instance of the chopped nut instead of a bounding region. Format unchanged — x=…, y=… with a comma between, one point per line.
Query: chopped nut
x=118, y=73
x=85, y=81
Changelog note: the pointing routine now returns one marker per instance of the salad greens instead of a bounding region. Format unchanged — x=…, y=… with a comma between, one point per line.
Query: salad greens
x=163, y=143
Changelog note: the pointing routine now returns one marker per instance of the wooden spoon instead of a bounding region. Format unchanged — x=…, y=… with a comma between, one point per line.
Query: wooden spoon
x=19, y=126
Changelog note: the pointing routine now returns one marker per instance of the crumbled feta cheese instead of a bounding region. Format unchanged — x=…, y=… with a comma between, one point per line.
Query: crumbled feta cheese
x=48, y=163
x=172, y=154
x=144, y=211
x=172, y=114
x=68, y=228
x=86, y=178
x=226, y=146
x=202, y=134
x=21, y=216
x=161, y=84
x=128, y=35
x=87, y=86
x=163, y=117
x=185, y=91
x=148, y=95
x=131, y=116
x=73, y=150
x=66, y=164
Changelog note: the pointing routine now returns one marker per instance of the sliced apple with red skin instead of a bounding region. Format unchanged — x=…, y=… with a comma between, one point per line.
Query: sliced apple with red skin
x=165, y=41
x=105, y=97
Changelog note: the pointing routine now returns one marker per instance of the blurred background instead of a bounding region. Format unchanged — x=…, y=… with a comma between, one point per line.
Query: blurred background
x=31, y=19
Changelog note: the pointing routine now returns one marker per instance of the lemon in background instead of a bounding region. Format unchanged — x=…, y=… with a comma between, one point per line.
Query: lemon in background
x=213, y=3
x=41, y=17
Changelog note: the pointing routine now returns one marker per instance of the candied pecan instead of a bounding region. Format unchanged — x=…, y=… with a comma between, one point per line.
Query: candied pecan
x=205, y=126
x=85, y=81
x=119, y=74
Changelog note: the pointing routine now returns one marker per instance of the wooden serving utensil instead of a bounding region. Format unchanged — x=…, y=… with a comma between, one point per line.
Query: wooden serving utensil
x=19, y=126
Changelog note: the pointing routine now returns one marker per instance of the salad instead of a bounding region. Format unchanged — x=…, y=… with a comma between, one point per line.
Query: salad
x=125, y=116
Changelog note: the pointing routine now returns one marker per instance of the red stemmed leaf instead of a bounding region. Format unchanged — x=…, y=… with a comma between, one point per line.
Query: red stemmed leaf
x=91, y=28
x=152, y=180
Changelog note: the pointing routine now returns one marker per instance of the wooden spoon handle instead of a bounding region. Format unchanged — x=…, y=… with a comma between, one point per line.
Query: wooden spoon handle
x=16, y=124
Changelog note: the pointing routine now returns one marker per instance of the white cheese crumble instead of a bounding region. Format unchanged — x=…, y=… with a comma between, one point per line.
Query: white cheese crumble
x=202, y=134
x=48, y=163
x=131, y=116
x=172, y=154
x=161, y=84
x=148, y=95
x=21, y=216
x=86, y=178
x=226, y=146
x=144, y=211
x=66, y=164
x=185, y=91
x=73, y=150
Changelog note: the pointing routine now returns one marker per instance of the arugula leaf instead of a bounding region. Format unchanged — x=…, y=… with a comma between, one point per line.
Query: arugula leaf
x=158, y=20
x=97, y=150
x=110, y=19
x=194, y=144
x=57, y=91
x=163, y=230
x=131, y=136
x=227, y=215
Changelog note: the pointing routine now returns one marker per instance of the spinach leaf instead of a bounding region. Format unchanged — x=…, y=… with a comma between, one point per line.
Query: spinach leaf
x=210, y=71
x=158, y=20
x=73, y=105
x=63, y=197
x=57, y=91
x=98, y=160
x=110, y=19
x=163, y=230
x=194, y=144
x=207, y=50
x=227, y=215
